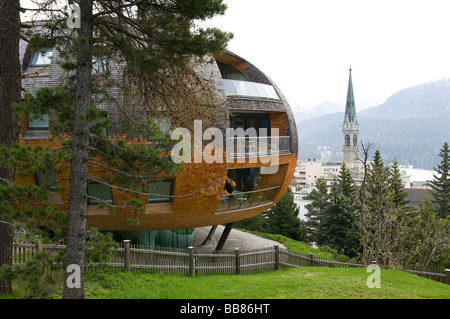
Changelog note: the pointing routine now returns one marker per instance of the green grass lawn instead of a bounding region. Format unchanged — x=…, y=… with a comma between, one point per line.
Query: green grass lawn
x=294, y=245
x=300, y=283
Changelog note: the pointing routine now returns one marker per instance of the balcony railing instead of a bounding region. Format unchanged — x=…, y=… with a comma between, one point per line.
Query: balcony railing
x=250, y=89
x=258, y=146
x=239, y=200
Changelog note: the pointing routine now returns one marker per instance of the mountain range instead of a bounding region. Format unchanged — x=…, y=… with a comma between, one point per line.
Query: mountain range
x=411, y=126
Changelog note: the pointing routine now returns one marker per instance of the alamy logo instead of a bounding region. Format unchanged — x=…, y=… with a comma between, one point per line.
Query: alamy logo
x=374, y=280
x=73, y=20
x=74, y=279
x=237, y=146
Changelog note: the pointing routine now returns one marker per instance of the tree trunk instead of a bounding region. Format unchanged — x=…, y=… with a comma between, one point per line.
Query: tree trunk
x=10, y=86
x=362, y=202
x=76, y=232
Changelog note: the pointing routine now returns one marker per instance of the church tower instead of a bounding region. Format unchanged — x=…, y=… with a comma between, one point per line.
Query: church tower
x=350, y=127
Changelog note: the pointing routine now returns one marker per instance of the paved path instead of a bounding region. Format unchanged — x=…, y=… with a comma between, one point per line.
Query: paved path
x=236, y=239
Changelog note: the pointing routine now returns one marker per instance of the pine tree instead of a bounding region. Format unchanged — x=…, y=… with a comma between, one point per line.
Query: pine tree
x=283, y=218
x=76, y=223
x=376, y=200
x=319, y=201
x=337, y=222
x=363, y=216
x=254, y=223
x=157, y=46
x=386, y=219
x=397, y=187
x=350, y=201
x=9, y=128
x=347, y=184
x=440, y=185
x=377, y=181
x=429, y=242
x=377, y=188
x=144, y=58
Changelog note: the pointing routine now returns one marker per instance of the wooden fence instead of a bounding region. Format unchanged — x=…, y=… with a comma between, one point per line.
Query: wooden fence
x=197, y=262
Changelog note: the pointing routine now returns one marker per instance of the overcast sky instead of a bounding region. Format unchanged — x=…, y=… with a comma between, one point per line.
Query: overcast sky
x=307, y=46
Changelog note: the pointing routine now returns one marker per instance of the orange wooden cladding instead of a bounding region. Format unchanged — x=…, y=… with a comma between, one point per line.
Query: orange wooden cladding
x=197, y=210
x=200, y=209
x=193, y=211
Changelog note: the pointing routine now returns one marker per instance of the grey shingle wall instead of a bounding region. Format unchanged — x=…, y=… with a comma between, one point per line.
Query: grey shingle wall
x=53, y=75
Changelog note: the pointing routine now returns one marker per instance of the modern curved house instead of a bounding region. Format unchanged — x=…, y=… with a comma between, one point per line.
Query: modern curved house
x=259, y=155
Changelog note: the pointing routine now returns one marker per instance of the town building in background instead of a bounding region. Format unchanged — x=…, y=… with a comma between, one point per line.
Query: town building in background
x=308, y=171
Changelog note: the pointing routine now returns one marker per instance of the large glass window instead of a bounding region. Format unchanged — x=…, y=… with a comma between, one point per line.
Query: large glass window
x=251, y=120
x=246, y=190
x=42, y=57
x=246, y=179
x=254, y=140
x=237, y=83
x=231, y=73
x=180, y=238
x=160, y=187
x=164, y=125
x=99, y=193
x=38, y=122
x=249, y=89
x=46, y=178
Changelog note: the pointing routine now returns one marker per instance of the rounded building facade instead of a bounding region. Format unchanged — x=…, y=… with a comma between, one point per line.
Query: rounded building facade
x=259, y=156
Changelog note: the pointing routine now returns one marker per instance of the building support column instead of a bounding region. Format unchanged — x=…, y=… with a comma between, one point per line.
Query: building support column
x=208, y=238
x=224, y=236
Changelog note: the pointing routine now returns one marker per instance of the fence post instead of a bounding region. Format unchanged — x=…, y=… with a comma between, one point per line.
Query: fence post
x=39, y=245
x=191, y=261
x=447, y=273
x=127, y=257
x=277, y=257
x=238, y=261
x=40, y=249
x=311, y=258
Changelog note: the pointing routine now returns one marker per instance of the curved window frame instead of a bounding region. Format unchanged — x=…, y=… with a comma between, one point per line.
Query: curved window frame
x=250, y=89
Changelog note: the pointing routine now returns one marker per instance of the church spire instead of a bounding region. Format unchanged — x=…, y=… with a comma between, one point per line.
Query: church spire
x=350, y=127
x=350, y=108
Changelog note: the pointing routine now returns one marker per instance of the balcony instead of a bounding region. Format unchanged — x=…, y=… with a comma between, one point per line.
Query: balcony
x=250, y=89
x=240, y=200
x=239, y=147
